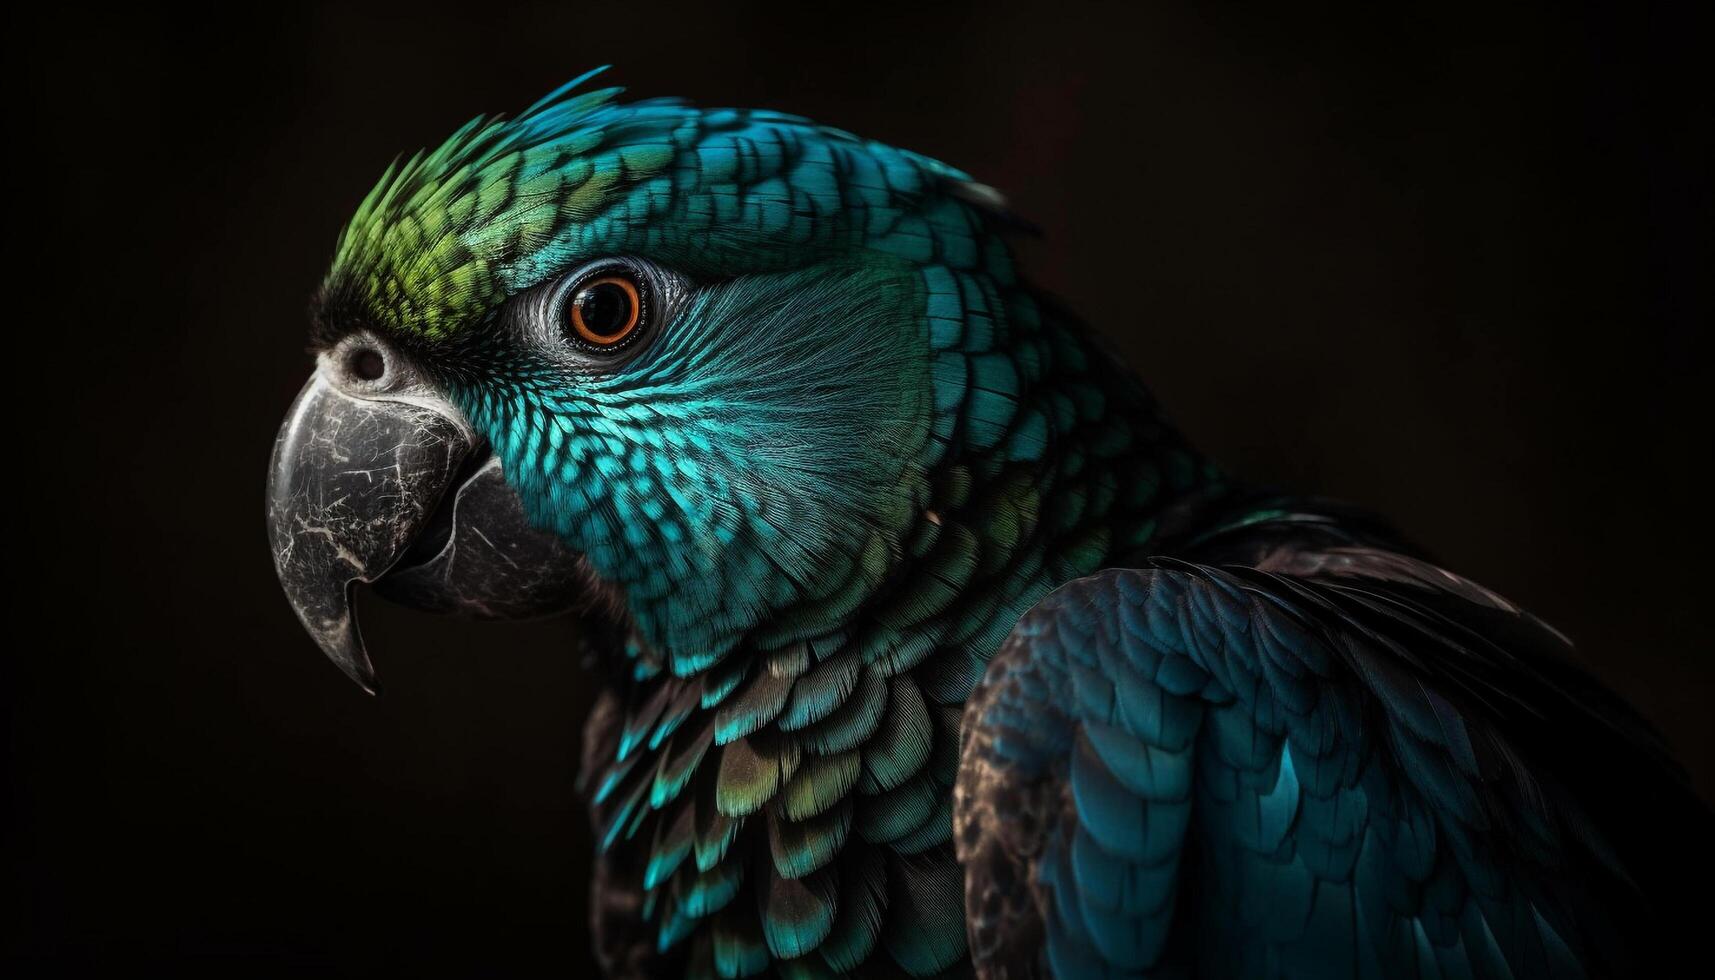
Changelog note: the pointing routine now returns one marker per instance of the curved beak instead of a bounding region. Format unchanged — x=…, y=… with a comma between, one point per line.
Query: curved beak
x=394, y=488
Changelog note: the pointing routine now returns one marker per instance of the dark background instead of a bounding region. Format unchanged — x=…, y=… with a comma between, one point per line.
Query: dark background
x=1442, y=263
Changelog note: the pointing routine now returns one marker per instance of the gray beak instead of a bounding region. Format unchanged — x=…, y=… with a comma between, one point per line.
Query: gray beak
x=381, y=480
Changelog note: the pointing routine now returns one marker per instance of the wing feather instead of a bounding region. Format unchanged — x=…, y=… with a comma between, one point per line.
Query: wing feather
x=1349, y=762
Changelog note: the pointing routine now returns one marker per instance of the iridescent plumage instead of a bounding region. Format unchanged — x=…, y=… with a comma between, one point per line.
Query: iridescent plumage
x=858, y=454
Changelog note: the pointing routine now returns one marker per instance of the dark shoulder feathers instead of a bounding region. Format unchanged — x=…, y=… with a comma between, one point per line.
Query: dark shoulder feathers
x=1326, y=758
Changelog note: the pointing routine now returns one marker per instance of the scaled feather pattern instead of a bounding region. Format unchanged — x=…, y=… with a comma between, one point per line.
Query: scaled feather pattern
x=934, y=649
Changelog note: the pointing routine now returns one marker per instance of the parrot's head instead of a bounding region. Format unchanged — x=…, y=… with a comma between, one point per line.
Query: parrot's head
x=688, y=362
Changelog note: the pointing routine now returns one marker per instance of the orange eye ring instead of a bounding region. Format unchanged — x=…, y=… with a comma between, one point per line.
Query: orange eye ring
x=606, y=310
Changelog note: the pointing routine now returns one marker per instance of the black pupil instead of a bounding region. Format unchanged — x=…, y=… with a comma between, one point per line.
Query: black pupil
x=605, y=307
x=368, y=365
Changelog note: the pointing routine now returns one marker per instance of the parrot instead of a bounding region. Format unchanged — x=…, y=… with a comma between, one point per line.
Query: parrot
x=922, y=642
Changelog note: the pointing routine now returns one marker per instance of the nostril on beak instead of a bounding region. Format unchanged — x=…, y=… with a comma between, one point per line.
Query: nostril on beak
x=368, y=364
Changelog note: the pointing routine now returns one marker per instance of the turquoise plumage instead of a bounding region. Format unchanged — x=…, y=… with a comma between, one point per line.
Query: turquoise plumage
x=926, y=644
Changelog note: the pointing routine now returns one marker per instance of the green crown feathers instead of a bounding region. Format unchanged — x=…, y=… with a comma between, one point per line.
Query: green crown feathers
x=440, y=240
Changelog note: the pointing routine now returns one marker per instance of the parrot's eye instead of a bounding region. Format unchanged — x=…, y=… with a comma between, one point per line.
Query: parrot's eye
x=602, y=315
x=608, y=308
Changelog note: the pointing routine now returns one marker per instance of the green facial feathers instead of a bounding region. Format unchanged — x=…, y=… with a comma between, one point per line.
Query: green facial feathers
x=440, y=239
x=503, y=204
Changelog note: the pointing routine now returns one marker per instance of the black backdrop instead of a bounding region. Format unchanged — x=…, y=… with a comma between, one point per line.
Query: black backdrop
x=1441, y=263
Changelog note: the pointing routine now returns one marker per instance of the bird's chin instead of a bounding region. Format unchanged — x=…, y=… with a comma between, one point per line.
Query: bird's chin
x=386, y=483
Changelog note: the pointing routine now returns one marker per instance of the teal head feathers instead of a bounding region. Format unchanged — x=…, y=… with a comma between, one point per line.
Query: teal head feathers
x=782, y=394
x=826, y=322
x=777, y=394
